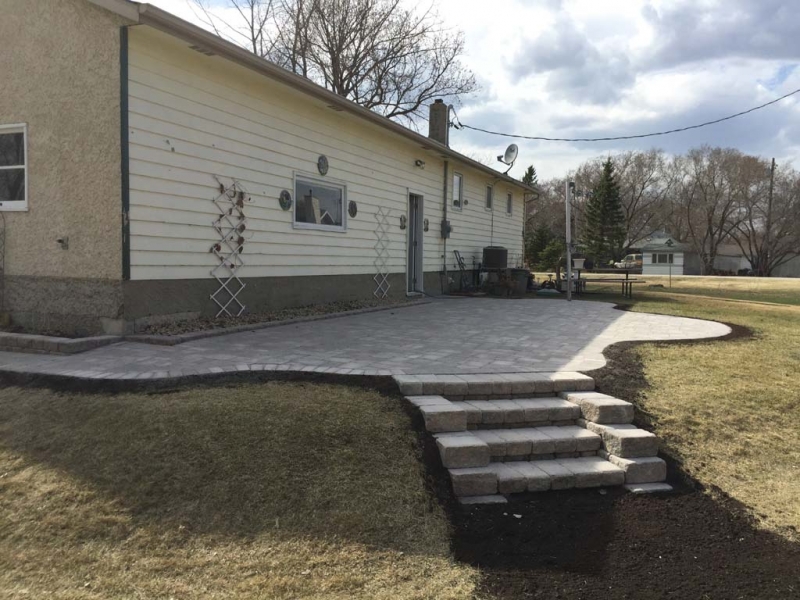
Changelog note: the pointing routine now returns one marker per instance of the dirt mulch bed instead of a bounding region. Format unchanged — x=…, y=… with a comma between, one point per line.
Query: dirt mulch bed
x=582, y=544
x=206, y=323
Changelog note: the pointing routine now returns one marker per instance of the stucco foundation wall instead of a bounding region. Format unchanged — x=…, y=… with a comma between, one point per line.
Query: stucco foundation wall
x=64, y=304
x=59, y=68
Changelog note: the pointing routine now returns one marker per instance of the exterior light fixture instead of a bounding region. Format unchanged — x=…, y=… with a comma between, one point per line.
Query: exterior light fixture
x=419, y=163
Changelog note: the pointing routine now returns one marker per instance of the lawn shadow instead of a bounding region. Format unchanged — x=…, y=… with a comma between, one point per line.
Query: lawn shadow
x=297, y=460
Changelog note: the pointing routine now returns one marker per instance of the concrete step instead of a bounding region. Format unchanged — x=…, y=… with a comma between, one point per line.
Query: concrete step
x=535, y=476
x=479, y=448
x=493, y=385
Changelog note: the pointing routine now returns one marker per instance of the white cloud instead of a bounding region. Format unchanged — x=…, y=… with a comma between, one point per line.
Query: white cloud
x=576, y=68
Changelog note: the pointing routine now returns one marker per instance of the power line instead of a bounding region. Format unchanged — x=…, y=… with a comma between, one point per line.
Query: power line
x=458, y=125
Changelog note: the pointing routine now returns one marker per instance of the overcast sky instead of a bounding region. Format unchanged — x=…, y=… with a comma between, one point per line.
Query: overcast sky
x=591, y=68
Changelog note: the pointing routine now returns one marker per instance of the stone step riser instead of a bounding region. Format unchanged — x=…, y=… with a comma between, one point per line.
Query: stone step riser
x=506, y=434
x=488, y=385
x=537, y=476
x=601, y=408
x=479, y=448
x=522, y=425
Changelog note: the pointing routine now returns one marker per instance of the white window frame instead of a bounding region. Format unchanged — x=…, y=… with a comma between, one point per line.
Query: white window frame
x=460, y=199
x=488, y=198
x=510, y=203
x=17, y=205
x=670, y=258
x=322, y=182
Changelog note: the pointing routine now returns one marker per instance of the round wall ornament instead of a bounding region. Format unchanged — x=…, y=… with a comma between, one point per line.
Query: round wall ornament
x=352, y=208
x=285, y=200
x=322, y=164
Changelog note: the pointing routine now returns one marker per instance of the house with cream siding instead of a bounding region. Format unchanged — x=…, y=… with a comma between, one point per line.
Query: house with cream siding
x=150, y=169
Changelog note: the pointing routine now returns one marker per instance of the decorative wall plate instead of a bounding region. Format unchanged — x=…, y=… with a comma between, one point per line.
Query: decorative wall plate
x=285, y=200
x=322, y=164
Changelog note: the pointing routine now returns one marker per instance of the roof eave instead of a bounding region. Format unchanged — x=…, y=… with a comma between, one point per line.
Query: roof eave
x=169, y=23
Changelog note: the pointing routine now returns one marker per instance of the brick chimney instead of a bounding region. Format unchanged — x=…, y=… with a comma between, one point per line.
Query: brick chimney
x=439, y=122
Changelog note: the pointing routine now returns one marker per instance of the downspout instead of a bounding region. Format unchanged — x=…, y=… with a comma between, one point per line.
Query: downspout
x=445, y=280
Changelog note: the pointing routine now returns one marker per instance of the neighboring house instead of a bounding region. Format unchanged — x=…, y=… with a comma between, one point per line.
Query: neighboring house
x=791, y=268
x=120, y=124
x=663, y=255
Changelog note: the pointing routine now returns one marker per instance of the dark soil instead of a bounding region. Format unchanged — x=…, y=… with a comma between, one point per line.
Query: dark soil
x=583, y=544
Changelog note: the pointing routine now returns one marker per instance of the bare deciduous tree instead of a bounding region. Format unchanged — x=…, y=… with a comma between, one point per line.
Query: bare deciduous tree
x=769, y=235
x=708, y=199
x=377, y=53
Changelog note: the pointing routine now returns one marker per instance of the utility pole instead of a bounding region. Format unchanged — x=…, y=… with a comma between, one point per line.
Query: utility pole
x=762, y=268
x=570, y=185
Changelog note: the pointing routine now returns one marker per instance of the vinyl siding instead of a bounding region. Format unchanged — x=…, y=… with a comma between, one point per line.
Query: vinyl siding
x=648, y=268
x=194, y=118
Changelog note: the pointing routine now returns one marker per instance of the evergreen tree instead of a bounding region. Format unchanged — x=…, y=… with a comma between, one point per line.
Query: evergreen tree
x=537, y=242
x=530, y=177
x=552, y=257
x=604, y=233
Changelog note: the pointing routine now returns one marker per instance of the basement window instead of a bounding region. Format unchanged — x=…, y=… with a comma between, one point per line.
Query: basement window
x=663, y=259
x=458, y=190
x=319, y=205
x=13, y=167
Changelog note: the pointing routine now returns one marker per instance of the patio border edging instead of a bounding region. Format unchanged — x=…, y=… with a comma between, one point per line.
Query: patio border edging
x=181, y=338
x=44, y=344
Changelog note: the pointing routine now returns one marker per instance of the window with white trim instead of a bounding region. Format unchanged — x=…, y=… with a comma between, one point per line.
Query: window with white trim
x=319, y=204
x=13, y=167
x=489, y=197
x=458, y=191
x=663, y=259
x=509, y=203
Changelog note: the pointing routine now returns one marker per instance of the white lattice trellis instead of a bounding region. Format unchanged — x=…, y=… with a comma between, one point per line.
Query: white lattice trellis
x=381, y=261
x=230, y=226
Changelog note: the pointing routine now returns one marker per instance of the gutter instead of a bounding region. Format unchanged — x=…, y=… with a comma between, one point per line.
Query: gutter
x=169, y=23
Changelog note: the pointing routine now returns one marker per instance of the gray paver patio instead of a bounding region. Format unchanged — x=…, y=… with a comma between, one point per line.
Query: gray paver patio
x=464, y=335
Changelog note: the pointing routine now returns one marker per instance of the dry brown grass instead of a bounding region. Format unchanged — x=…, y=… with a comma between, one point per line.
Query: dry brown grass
x=731, y=410
x=755, y=289
x=261, y=491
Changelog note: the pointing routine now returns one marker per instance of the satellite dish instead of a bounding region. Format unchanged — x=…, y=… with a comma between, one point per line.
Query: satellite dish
x=510, y=156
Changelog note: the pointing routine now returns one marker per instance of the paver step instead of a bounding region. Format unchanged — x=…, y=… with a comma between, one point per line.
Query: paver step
x=535, y=476
x=519, y=413
x=441, y=414
x=493, y=385
x=479, y=448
